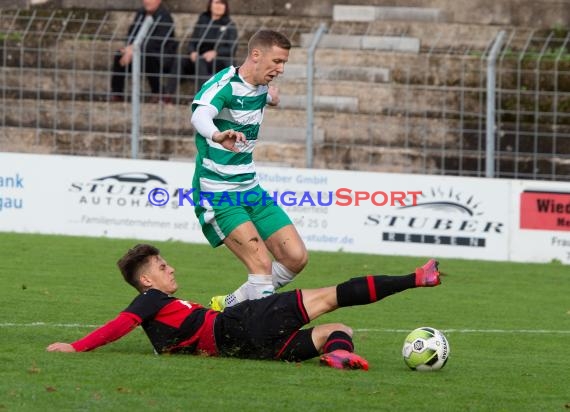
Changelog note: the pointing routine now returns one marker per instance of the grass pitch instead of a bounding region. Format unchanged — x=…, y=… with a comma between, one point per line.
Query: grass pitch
x=508, y=326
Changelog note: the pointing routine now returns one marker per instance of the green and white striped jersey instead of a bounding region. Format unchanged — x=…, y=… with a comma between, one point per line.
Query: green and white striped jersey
x=240, y=107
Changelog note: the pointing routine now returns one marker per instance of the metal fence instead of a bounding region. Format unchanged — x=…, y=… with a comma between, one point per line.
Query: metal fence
x=533, y=119
x=383, y=96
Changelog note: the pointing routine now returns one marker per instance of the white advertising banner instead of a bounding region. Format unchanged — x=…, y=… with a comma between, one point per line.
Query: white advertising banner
x=541, y=221
x=398, y=214
x=93, y=197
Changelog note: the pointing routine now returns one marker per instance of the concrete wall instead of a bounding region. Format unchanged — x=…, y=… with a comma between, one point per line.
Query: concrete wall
x=12, y=4
x=543, y=13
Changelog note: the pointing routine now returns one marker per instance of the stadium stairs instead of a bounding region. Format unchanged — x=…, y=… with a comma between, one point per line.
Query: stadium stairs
x=389, y=90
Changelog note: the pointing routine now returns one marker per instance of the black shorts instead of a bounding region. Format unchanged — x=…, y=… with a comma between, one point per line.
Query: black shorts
x=262, y=328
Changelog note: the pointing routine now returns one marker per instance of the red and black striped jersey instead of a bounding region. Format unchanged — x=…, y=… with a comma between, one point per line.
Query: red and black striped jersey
x=174, y=325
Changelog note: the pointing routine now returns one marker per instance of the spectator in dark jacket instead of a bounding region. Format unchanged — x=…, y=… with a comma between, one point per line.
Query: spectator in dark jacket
x=211, y=48
x=158, y=49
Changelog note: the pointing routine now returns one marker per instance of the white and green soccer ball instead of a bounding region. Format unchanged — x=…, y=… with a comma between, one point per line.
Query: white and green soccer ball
x=425, y=349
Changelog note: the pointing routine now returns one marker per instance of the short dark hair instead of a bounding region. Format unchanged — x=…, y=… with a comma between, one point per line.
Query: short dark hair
x=265, y=39
x=225, y=2
x=131, y=263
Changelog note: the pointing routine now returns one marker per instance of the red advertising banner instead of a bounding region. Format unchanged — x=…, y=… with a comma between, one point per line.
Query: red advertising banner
x=545, y=210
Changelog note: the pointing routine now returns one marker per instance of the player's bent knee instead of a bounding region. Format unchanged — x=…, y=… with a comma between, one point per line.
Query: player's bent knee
x=297, y=260
x=321, y=333
x=347, y=330
x=340, y=327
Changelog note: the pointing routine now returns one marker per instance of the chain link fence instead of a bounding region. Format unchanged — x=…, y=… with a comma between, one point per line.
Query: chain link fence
x=387, y=96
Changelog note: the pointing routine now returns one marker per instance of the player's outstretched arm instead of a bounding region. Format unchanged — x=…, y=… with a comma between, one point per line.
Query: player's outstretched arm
x=110, y=332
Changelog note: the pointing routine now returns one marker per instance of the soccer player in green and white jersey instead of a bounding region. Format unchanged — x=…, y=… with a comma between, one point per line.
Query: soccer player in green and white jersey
x=227, y=114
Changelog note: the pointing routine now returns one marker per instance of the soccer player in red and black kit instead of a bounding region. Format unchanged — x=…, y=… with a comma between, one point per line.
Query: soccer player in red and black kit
x=268, y=328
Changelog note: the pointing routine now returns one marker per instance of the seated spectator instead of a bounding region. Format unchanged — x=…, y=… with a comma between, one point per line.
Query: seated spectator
x=158, y=50
x=211, y=47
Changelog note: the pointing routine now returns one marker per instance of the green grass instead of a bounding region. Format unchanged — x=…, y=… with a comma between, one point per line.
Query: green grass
x=70, y=280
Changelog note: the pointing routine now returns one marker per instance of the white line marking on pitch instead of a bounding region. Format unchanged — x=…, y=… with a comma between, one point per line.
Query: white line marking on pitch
x=506, y=331
x=521, y=331
x=54, y=325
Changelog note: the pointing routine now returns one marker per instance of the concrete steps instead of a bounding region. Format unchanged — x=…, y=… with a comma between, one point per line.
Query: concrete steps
x=357, y=65
x=405, y=68
x=88, y=26
x=336, y=72
x=433, y=35
x=401, y=44
x=391, y=99
x=285, y=125
x=452, y=162
x=280, y=124
x=114, y=118
x=49, y=84
x=337, y=155
x=107, y=144
x=547, y=13
x=166, y=147
x=449, y=38
x=330, y=95
x=371, y=13
x=374, y=107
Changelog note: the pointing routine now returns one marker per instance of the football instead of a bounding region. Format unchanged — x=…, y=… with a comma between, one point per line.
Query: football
x=426, y=349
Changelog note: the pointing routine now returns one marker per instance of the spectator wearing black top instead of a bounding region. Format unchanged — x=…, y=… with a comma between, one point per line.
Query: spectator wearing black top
x=211, y=47
x=158, y=49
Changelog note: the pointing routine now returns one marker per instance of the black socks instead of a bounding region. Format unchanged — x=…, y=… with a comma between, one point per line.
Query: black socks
x=338, y=340
x=364, y=290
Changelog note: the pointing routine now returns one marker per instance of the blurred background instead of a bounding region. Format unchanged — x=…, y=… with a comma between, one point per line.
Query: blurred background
x=469, y=88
